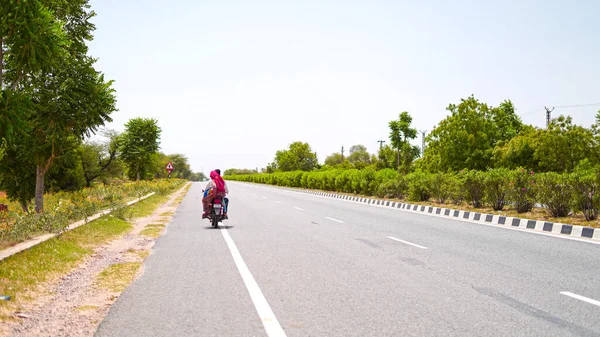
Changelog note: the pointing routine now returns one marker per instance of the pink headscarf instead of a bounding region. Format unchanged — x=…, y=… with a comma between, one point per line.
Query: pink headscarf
x=218, y=180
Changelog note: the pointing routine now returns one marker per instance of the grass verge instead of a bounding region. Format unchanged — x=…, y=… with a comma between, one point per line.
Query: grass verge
x=118, y=276
x=152, y=231
x=23, y=275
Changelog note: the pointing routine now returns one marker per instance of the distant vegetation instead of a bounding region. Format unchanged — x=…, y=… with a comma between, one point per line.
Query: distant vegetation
x=479, y=154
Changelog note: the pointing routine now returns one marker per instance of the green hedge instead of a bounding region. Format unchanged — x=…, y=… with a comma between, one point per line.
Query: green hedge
x=559, y=193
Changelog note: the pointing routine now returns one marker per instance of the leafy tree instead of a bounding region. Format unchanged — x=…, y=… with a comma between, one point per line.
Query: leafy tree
x=100, y=159
x=386, y=158
x=400, y=135
x=181, y=168
x=32, y=39
x=556, y=149
x=359, y=157
x=299, y=157
x=139, y=144
x=69, y=98
x=334, y=159
x=467, y=138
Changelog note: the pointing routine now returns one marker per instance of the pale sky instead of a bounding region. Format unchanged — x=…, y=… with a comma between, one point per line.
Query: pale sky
x=231, y=82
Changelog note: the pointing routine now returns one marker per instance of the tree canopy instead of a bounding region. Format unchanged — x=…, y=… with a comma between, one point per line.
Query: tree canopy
x=139, y=144
x=467, y=137
x=298, y=156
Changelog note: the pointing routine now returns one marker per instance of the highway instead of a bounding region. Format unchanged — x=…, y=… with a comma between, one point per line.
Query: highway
x=292, y=264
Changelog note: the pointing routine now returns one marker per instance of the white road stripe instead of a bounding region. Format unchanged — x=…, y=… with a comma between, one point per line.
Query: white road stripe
x=265, y=198
x=298, y=208
x=406, y=242
x=332, y=219
x=279, y=202
x=581, y=298
x=270, y=322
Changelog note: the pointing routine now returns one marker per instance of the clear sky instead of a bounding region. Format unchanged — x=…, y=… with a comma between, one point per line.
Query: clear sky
x=231, y=82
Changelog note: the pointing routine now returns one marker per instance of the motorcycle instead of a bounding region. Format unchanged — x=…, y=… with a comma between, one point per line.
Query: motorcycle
x=217, y=211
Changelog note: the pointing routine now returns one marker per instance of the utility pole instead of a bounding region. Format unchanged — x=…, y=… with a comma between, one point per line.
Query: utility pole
x=381, y=144
x=342, y=152
x=548, y=116
x=423, y=142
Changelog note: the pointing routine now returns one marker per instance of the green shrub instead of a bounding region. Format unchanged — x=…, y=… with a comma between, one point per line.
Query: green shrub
x=474, y=186
x=456, y=188
x=419, y=185
x=555, y=192
x=522, y=190
x=496, y=182
x=440, y=187
x=586, y=191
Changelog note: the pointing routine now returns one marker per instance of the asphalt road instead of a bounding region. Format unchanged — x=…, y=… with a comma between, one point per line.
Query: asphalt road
x=325, y=267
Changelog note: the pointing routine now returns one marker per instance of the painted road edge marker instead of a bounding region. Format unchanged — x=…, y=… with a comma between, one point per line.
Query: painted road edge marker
x=269, y=321
x=332, y=219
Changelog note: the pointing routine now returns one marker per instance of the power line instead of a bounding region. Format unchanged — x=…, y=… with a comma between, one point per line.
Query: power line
x=381, y=143
x=576, y=106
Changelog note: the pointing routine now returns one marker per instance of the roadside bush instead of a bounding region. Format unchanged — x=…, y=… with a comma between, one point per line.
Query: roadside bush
x=586, y=191
x=419, y=185
x=555, y=192
x=496, y=184
x=367, y=177
x=456, y=188
x=522, y=190
x=441, y=187
x=474, y=186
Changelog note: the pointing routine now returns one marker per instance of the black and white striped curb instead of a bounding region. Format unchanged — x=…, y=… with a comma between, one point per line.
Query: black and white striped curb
x=538, y=225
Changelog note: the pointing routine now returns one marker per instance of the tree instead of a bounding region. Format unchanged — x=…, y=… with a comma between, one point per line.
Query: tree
x=467, y=138
x=181, y=168
x=69, y=98
x=386, y=158
x=32, y=39
x=359, y=156
x=100, y=159
x=334, y=159
x=198, y=176
x=299, y=156
x=559, y=148
x=400, y=135
x=139, y=144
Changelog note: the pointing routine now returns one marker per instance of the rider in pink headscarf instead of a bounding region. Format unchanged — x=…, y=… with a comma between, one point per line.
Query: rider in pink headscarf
x=215, y=187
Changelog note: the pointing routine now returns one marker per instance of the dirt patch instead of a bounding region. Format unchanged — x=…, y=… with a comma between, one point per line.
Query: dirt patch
x=77, y=303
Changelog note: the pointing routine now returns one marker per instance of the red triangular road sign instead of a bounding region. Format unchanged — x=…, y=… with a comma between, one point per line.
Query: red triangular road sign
x=169, y=167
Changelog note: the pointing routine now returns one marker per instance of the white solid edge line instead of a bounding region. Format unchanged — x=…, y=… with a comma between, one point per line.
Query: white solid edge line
x=406, y=242
x=522, y=230
x=298, y=208
x=581, y=298
x=270, y=322
x=332, y=219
